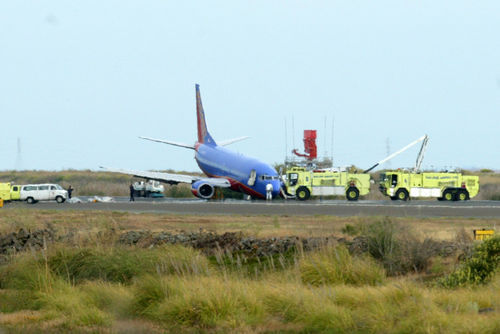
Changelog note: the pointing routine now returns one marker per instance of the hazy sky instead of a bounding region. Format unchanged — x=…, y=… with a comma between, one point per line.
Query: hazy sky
x=81, y=80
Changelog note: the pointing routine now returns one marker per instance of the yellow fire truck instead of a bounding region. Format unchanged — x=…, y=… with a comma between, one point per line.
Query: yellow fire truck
x=303, y=183
x=449, y=186
x=403, y=185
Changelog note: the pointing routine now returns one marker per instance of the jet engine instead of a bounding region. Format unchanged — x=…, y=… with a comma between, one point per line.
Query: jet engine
x=202, y=189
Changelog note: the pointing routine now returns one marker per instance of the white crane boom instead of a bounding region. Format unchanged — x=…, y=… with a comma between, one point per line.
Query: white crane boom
x=397, y=153
x=421, y=153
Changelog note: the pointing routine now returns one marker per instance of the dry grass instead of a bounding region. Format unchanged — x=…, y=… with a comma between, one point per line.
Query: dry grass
x=278, y=301
x=36, y=295
x=84, y=222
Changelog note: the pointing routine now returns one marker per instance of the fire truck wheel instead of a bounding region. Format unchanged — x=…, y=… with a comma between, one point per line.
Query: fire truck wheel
x=302, y=193
x=352, y=194
x=462, y=195
x=402, y=195
x=448, y=195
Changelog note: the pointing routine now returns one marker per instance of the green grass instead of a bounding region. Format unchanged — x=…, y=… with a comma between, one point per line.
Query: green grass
x=329, y=290
x=89, y=283
x=334, y=265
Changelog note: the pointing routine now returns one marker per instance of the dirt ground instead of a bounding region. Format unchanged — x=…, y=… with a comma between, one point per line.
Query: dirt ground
x=258, y=226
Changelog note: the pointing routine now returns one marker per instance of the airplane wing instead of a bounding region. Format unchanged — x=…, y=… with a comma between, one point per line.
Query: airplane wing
x=158, y=176
x=169, y=142
x=217, y=181
x=172, y=178
x=230, y=141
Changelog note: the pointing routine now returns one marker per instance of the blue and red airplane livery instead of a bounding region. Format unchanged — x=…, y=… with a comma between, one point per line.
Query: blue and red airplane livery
x=224, y=168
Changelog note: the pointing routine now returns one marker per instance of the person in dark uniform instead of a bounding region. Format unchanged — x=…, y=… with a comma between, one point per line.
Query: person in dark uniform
x=132, y=193
x=70, y=190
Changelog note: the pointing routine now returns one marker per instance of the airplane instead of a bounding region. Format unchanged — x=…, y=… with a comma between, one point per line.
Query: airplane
x=223, y=167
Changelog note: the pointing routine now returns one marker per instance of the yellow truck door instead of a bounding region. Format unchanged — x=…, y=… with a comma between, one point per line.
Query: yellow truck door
x=15, y=192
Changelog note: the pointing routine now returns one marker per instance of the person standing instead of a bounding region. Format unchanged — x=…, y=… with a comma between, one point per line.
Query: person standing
x=70, y=191
x=132, y=193
x=269, y=192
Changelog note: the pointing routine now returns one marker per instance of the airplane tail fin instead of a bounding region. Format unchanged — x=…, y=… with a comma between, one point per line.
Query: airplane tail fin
x=203, y=135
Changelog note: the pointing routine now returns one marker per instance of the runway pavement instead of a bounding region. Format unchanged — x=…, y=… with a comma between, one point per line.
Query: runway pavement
x=478, y=209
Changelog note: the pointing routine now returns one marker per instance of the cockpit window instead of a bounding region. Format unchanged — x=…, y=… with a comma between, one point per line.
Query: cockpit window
x=269, y=177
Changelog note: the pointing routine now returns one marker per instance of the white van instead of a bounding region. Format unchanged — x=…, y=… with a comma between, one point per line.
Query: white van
x=32, y=193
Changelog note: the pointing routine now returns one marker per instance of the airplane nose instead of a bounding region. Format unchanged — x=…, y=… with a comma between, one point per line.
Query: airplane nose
x=276, y=188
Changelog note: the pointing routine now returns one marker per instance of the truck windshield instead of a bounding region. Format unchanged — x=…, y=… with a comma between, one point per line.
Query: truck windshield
x=383, y=177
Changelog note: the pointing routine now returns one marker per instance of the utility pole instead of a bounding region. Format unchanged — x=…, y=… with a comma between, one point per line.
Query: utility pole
x=19, y=159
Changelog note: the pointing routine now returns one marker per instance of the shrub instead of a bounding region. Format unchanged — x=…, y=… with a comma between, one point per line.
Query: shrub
x=148, y=292
x=398, y=249
x=110, y=297
x=178, y=191
x=121, y=265
x=208, y=302
x=74, y=307
x=494, y=197
x=334, y=265
x=26, y=272
x=311, y=310
x=479, y=268
x=351, y=229
x=15, y=300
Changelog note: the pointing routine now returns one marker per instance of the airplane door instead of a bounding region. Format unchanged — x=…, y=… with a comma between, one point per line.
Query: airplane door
x=251, y=179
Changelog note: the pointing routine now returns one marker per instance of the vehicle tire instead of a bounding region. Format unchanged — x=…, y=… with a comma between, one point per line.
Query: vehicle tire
x=462, y=195
x=448, y=195
x=402, y=195
x=59, y=199
x=302, y=193
x=352, y=194
x=394, y=198
x=30, y=200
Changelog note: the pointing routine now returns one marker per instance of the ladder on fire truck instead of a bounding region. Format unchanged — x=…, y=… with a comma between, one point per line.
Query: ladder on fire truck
x=424, y=139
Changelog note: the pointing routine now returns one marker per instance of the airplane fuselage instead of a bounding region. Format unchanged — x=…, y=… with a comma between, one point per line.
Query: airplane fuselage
x=240, y=170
